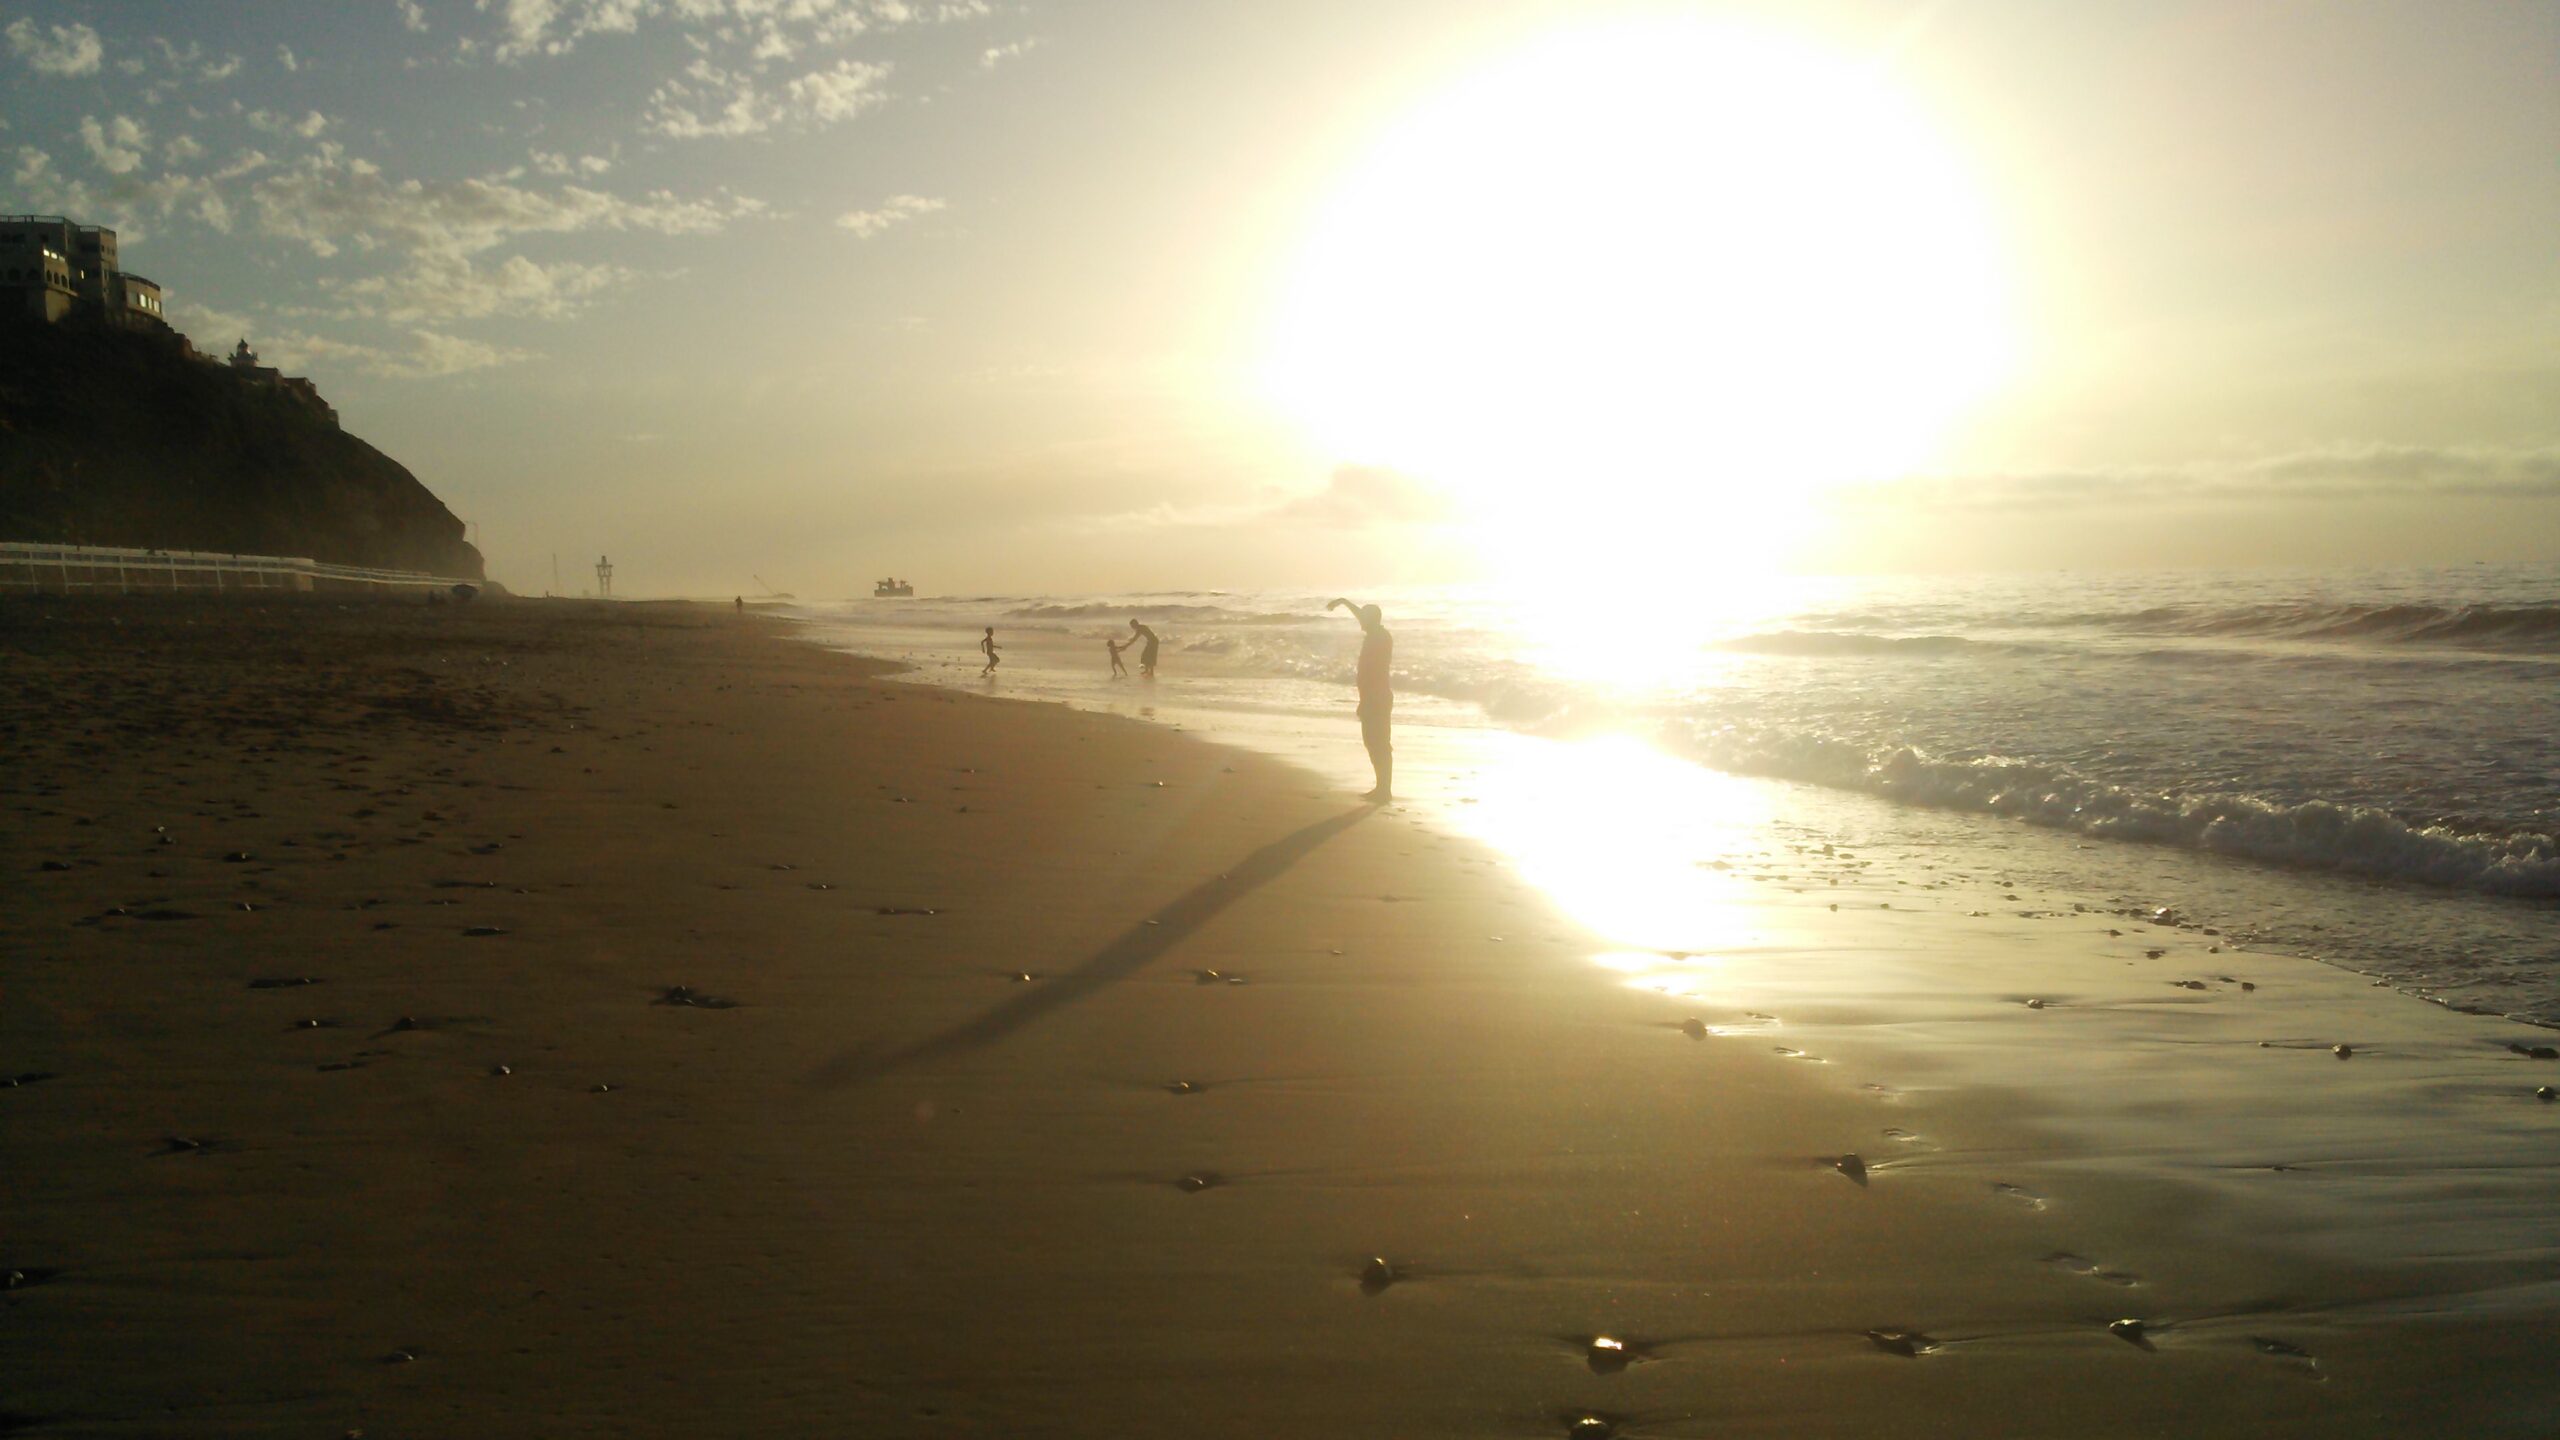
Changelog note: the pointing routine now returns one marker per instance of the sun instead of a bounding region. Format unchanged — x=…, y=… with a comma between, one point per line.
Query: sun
x=1634, y=292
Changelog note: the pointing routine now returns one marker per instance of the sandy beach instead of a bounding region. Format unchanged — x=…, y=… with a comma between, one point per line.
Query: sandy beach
x=554, y=1019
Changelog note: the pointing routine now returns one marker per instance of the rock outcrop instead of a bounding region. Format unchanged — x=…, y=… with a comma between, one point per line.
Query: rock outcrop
x=121, y=437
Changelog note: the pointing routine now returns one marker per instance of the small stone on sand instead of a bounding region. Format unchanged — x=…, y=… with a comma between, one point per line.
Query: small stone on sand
x=1193, y=1184
x=1377, y=1275
x=1851, y=1166
x=2343, y=1052
x=1694, y=1028
x=2132, y=1332
x=1910, y=1344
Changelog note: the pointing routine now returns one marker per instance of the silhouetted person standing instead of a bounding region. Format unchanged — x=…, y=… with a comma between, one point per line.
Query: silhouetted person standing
x=1377, y=696
x=987, y=647
x=1147, y=650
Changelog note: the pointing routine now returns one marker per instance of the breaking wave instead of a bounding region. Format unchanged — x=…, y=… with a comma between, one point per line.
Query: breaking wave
x=2314, y=834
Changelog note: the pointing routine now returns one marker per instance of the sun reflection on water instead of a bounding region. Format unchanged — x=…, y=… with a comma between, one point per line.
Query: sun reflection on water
x=1629, y=842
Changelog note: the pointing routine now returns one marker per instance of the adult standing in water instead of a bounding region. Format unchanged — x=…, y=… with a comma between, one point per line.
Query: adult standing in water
x=1377, y=696
x=1147, y=652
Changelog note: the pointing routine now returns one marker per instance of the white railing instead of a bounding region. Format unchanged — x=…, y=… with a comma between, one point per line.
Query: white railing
x=103, y=567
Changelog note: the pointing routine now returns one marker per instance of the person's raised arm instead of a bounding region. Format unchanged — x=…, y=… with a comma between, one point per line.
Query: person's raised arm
x=1339, y=603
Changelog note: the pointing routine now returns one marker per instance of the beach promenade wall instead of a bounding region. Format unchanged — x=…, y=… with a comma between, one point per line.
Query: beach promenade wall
x=92, y=569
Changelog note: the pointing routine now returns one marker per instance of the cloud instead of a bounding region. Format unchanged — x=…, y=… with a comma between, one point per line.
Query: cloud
x=430, y=354
x=840, y=92
x=895, y=210
x=324, y=202
x=2334, y=473
x=285, y=58
x=768, y=30
x=412, y=15
x=1354, y=497
x=58, y=49
x=123, y=201
x=180, y=150
x=444, y=286
x=1362, y=495
x=995, y=55
x=712, y=101
x=116, y=145
x=308, y=127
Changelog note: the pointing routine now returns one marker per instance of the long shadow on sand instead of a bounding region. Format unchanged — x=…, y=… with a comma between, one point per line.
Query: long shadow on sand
x=1133, y=951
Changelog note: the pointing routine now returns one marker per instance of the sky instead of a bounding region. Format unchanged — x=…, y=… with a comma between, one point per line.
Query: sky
x=1122, y=295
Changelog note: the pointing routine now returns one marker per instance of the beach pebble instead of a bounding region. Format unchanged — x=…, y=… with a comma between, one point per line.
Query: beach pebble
x=1182, y=1087
x=482, y=931
x=398, y=1357
x=500, y=1070
x=2035, y=1004
x=600, y=1089
x=1377, y=1275
x=2343, y=1052
x=180, y=1144
x=2248, y=984
x=1606, y=1356
x=2545, y=1092
x=1589, y=1427
x=2132, y=1332
x=2536, y=1052
x=1694, y=1028
x=1851, y=1166
x=1193, y=1184
x=1910, y=1344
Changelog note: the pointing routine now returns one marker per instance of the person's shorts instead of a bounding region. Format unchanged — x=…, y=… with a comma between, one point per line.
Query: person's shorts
x=1374, y=726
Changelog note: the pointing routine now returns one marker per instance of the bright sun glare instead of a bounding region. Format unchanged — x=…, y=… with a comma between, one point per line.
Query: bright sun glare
x=1636, y=292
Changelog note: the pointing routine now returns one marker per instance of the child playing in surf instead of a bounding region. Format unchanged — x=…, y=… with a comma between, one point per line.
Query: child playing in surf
x=987, y=646
x=1118, y=670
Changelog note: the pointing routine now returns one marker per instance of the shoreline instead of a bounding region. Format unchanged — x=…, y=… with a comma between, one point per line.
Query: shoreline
x=901, y=1184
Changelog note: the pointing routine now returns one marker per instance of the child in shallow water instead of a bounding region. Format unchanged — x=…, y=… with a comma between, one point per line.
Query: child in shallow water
x=1118, y=670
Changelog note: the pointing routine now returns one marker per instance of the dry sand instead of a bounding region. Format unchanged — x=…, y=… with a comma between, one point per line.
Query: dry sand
x=1077, y=1070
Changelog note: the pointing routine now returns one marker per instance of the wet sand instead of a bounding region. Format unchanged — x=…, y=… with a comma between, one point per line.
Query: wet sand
x=713, y=1037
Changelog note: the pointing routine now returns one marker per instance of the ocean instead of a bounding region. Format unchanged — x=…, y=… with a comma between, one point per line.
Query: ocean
x=2362, y=766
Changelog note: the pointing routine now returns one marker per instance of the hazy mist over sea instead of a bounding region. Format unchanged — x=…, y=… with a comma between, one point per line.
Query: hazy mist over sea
x=2359, y=764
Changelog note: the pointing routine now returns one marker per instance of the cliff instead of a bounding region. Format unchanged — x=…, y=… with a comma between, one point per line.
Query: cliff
x=119, y=437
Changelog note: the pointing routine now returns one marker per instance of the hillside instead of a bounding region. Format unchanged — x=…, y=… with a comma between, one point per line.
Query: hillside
x=117, y=437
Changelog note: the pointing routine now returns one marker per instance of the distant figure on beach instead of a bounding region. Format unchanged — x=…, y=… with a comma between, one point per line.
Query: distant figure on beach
x=742, y=604
x=1147, y=650
x=987, y=646
x=1118, y=670
x=1377, y=696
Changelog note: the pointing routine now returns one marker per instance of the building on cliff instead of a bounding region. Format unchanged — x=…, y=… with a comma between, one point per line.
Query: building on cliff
x=244, y=363
x=51, y=267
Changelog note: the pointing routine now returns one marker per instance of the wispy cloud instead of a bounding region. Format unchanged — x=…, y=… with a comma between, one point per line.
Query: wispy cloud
x=765, y=29
x=65, y=50
x=309, y=127
x=1353, y=497
x=710, y=100
x=2341, y=473
x=897, y=209
x=995, y=55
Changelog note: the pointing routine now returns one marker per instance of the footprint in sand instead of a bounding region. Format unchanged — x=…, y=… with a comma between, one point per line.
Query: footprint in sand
x=1900, y=1136
x=2285, y=1350
x=2019, y=1193
x=1794, y=1054
x=2089, y=1269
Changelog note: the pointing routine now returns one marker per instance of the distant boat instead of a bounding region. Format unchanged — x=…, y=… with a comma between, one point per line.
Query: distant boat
x=893, y=590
